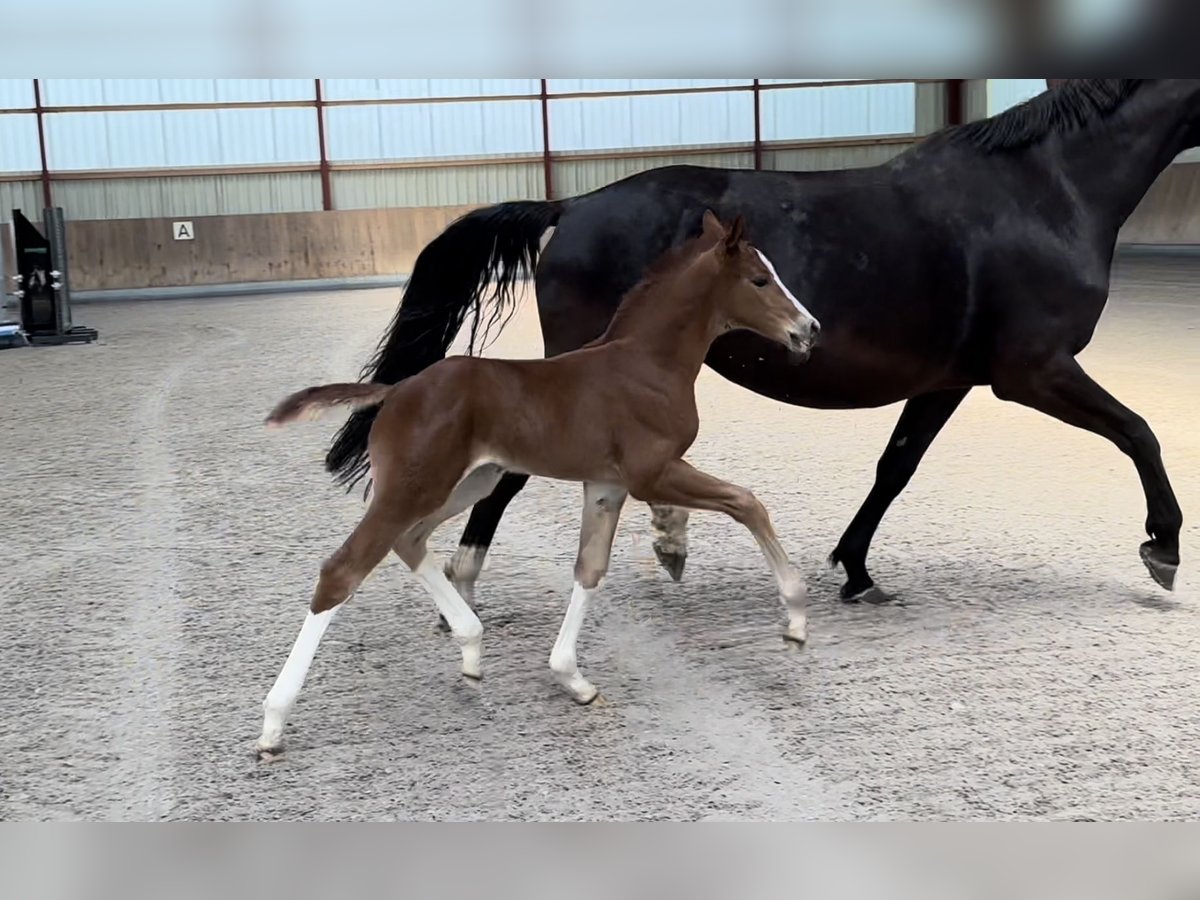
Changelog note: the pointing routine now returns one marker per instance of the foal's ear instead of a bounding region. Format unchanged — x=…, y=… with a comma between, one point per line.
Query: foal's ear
x=711, y=225
x=735, y=234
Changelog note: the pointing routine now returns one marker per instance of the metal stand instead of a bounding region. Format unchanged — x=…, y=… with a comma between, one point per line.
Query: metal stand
x=42, y=286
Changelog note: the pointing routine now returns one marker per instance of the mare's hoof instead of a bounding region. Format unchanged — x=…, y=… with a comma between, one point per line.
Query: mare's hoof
x=1163, y=567
x=672, y=562
x=596, y=699
x=874, y=595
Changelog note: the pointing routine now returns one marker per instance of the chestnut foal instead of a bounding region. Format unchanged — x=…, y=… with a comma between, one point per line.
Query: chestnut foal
x=617, y=415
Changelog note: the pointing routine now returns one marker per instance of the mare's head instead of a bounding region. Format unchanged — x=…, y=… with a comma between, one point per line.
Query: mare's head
x=750, y=294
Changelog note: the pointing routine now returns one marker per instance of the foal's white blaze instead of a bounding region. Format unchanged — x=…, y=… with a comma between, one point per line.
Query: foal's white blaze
x=287, y=686
x=562, y=658
x=783, y=287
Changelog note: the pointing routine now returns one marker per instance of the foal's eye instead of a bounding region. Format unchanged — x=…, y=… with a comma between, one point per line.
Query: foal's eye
x=759, y=281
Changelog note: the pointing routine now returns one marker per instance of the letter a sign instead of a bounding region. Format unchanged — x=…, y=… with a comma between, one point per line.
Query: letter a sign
x=183, y=231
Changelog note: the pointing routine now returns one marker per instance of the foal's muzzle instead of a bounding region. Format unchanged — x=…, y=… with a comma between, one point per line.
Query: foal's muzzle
x=802, y=339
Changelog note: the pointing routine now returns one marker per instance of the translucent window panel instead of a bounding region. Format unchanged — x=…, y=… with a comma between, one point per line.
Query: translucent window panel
x=72, y=91
x=607, y=123
x=254, y=136
x=259, y=89
x=419, y=130
x=228, y=137
x=16, y=93
x=581, y=85
x=78, y=141
x=1004, y=93
x=19, y=151
x=804, y=80
x=129, y=91
x=418, y=88
x=831, y=112
x=128, y=140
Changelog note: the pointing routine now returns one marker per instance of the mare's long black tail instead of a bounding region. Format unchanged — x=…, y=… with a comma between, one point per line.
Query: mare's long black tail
x=474, y=269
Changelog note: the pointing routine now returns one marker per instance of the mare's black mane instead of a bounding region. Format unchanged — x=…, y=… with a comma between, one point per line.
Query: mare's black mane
x=1062, y=108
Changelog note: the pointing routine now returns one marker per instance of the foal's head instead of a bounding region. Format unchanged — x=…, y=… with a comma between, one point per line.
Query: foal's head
x=751, y=296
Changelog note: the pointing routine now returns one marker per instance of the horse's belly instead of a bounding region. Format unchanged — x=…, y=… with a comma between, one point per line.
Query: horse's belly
x=832, y=378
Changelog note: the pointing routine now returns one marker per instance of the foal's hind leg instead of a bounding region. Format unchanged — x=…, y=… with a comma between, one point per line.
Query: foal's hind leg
x=463, y=623
x=601, y=512
x=341, y=575
x=455, y=610
x=678, y=484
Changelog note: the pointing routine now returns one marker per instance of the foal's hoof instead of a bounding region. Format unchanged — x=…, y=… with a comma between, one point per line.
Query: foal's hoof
x=874, y=595
x=795, y=637
x=267, y=754
x=672, y=562
x=1162, y=567
x=594, y=698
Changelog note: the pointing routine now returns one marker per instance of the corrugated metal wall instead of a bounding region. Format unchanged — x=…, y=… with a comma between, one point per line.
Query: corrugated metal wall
x=386, y=141
x=188, y=195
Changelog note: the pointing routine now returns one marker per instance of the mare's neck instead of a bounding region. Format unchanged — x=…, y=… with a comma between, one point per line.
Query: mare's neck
x=670, y=323
x=1112, y=162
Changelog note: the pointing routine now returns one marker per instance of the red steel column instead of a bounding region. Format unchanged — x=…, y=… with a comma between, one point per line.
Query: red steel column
x=47, y=195
x=547, y=162
x=956, y=101
x=326, y=180
x=758, y=149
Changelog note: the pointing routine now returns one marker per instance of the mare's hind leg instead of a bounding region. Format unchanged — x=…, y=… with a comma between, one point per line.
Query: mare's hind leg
x=464, y=567
x=340, y=577
x=1060, y=388
x=602, y=505
x=678, y=484
x=920, y=422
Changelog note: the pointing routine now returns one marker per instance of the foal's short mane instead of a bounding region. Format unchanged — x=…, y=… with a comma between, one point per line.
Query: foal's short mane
x=1061, y=108
x=671, y=261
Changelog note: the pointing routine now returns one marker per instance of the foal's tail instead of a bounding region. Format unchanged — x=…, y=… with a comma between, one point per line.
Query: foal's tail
x=477, y=263
x=311, y=402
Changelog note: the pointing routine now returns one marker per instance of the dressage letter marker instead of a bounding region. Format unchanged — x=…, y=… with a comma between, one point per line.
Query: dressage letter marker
x=183, y=231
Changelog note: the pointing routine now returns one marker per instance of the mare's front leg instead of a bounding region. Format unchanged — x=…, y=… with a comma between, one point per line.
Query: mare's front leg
x=1060, y=388
x=602, y=505
x=679, y=484
x=920, y=422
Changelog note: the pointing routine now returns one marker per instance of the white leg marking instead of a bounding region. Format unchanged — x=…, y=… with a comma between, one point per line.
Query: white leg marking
x=794, y=593
x=287, y=686
x=783, y=287
x=562, y=658
x=464, y=624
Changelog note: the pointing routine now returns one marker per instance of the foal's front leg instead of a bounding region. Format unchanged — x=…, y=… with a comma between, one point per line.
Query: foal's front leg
x=341, y=575
x=670, y=538
x=678, y=484
x=602, y=505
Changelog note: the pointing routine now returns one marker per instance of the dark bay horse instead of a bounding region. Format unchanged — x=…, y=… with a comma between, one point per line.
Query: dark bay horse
x=617, y=415
x=980, y=256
